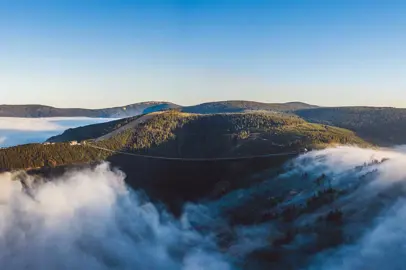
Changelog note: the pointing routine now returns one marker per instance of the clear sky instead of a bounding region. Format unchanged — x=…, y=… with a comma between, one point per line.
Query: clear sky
x=99, y=53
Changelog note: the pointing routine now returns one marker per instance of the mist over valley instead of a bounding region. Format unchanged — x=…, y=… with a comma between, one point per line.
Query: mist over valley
x=16, y=131
x=336, y=208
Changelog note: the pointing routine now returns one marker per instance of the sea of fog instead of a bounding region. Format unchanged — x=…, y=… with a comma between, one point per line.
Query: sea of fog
x=15, y=131
x=90, y=219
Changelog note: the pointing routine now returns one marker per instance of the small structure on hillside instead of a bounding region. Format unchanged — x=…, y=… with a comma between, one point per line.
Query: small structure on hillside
x=48, y=143
x=74, y=143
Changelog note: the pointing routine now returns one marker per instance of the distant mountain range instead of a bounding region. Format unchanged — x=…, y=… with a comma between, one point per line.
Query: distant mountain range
x=383, y=126
x=35, y=111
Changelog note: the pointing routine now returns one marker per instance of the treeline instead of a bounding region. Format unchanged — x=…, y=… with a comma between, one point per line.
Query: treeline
x=37, y=155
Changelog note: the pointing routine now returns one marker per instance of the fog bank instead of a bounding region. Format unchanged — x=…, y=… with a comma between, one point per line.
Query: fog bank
x=89, y=219
x=15, y=131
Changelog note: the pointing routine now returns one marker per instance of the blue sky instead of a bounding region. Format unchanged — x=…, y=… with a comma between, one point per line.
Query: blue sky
x=99, y=53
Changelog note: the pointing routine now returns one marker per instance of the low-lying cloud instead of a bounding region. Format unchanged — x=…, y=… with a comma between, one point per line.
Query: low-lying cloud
x=373, y=203
x=15, y=131
x=30, y=124
x=374, y=207
x=89, y=219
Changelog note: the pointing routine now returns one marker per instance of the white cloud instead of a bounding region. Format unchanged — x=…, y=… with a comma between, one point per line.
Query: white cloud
x=28, y=124
x=44, y=124
x=15, y=131
x=374, y=206
x=88, y=219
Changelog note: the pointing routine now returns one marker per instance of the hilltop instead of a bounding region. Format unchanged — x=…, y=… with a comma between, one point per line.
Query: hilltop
x=177, y=134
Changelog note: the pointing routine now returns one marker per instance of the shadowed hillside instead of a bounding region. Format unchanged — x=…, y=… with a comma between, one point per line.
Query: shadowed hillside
x=90, y=131
x=383, y=126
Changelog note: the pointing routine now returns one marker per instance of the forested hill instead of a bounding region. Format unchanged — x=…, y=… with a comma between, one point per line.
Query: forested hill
x=384, y=126
x=176, y=134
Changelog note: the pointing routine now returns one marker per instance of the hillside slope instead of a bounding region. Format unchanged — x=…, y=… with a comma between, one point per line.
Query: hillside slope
x=384, y=126
x=90, y=131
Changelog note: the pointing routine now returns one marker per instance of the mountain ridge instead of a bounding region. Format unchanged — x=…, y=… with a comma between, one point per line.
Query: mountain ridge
x=37, y=111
